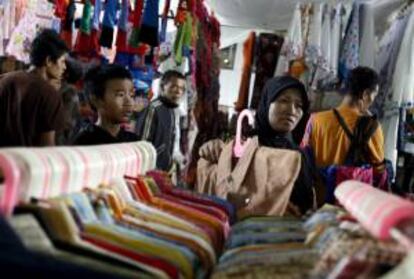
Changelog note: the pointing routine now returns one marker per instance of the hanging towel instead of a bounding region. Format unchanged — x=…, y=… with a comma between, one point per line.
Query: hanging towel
x=349, y=57
x=109, y=21
x=121, y=39
x=149, y=27
x=67, y=26
x=85, y=26
x=60, y=9
x=82, y=44
x=70, y=16
x=293, y=46
x=96, y=14
x=267, y=53
x=183, y=39
x=164, y=21
x=248, y=54
x=94, y=40
x=136, y=23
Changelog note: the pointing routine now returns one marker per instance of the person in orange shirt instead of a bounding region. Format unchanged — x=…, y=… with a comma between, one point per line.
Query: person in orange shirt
x=325, y=139
x=324, y=135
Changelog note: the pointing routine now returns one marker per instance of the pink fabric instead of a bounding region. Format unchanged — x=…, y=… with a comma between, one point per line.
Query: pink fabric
x=85, y=162
x=381, y=180
x=344, y=173
x=47, y=172
x=375, y=209
x=12, y=176
x=51, y=169
x=65, y=176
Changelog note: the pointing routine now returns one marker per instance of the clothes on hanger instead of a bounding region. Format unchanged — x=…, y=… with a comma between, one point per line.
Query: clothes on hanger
x=266, y=52
x=174, y=235
x=108, y=24
x=248, y=58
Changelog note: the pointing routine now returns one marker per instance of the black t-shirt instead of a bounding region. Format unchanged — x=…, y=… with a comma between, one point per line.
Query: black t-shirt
x=94, y=135
x=29, y=106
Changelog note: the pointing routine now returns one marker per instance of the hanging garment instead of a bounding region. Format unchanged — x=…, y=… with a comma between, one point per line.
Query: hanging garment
x=60, y=9
x=368, y=43
x=122, y=33
x=9, y=17
x=85, y=24
x=349, y=57
x=128, y=238
x=109, y=21
x=136, y=23
x=21, y=6
x=67, y=24
x=212, y=226
x=183, y=40
x=35, y=18
x=248, y=52
x=386, y=105
x=134, y=229
x=19, y=262
x=35, y=238
x=96, y=27
x=164, y=21
x=403, y=81
x=306, y=10
x=293, y=45
x=385, y=65
x=402, y=87
x=267, y=53
x=336, y=39
x=82, y=44
x=165, y=183
x=149, y=27
x=260, y=183
x=59, y=220
x=323, y=65
x=313, y=48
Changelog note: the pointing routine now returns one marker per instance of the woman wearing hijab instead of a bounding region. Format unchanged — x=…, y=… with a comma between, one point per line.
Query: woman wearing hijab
x=283, y=103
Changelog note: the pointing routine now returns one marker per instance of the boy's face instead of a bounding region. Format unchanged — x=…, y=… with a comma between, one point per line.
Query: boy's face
x=174, y=89
x=117, y=104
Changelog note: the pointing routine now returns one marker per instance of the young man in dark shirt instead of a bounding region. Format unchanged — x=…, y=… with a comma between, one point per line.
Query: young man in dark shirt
x=30, y=107
x=157, y=123
x=110, y=89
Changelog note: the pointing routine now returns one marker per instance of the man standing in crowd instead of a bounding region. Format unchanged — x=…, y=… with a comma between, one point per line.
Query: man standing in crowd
x=30, y=107
x=157, y=123
x=325, y=131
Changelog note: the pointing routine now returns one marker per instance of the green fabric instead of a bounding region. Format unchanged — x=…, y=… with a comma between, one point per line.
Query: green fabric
x=134, y=37
x=188, y=31
x=183, y=39
x=85, y=25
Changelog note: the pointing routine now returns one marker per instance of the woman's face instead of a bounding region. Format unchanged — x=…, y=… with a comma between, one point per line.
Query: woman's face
x=286, y=111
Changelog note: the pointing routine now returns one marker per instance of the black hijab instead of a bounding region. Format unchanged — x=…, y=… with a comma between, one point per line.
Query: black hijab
x=272, y=90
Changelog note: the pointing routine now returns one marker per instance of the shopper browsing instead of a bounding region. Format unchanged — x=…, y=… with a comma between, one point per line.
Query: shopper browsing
x=31, y=109
x=110, y=89
x=157, y=124
x=283, y=103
